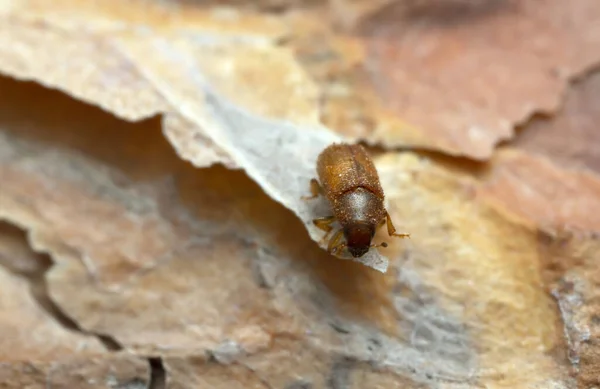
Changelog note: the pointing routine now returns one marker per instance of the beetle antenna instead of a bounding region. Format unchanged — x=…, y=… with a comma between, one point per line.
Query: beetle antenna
x=382, y=244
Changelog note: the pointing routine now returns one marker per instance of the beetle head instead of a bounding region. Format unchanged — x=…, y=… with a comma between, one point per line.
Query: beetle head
x=358, y=238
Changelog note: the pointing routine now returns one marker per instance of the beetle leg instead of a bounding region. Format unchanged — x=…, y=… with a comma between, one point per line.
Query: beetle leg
x=391, y=229
x=336, y=243
x=315, y=190
x=324, y=223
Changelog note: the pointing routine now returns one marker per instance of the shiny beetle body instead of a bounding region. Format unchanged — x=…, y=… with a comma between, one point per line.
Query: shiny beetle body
x=349, y=180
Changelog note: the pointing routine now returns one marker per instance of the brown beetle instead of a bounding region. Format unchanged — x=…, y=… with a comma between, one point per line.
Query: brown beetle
x=350, y=182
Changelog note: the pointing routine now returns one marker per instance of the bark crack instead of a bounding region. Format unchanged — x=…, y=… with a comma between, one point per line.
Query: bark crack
x=158, y=374
x=35, y=275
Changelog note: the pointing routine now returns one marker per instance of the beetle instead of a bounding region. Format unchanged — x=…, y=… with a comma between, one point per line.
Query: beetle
x=350, y=182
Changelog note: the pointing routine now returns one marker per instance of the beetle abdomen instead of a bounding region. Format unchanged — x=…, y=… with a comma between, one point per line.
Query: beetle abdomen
x=342, y=167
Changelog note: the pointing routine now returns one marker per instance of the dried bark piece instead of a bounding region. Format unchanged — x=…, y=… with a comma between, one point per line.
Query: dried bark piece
x=82, y=63
x=543, y=193
x=166, y=311
x=483, y=265
x=312, y=369
x=572, y=278
x=22, y=317
x=113, y=16
x=571, y=137
x=100, y=372
x=347, y=13
x=36, y=350
x=44, y=44
x=453, y=76
x=54, y=155
x=274, y=86
x=352, y=374
x=44, y=41
x=198, y=373
x=193, y=145
x=556, y=188
x=270, y=368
